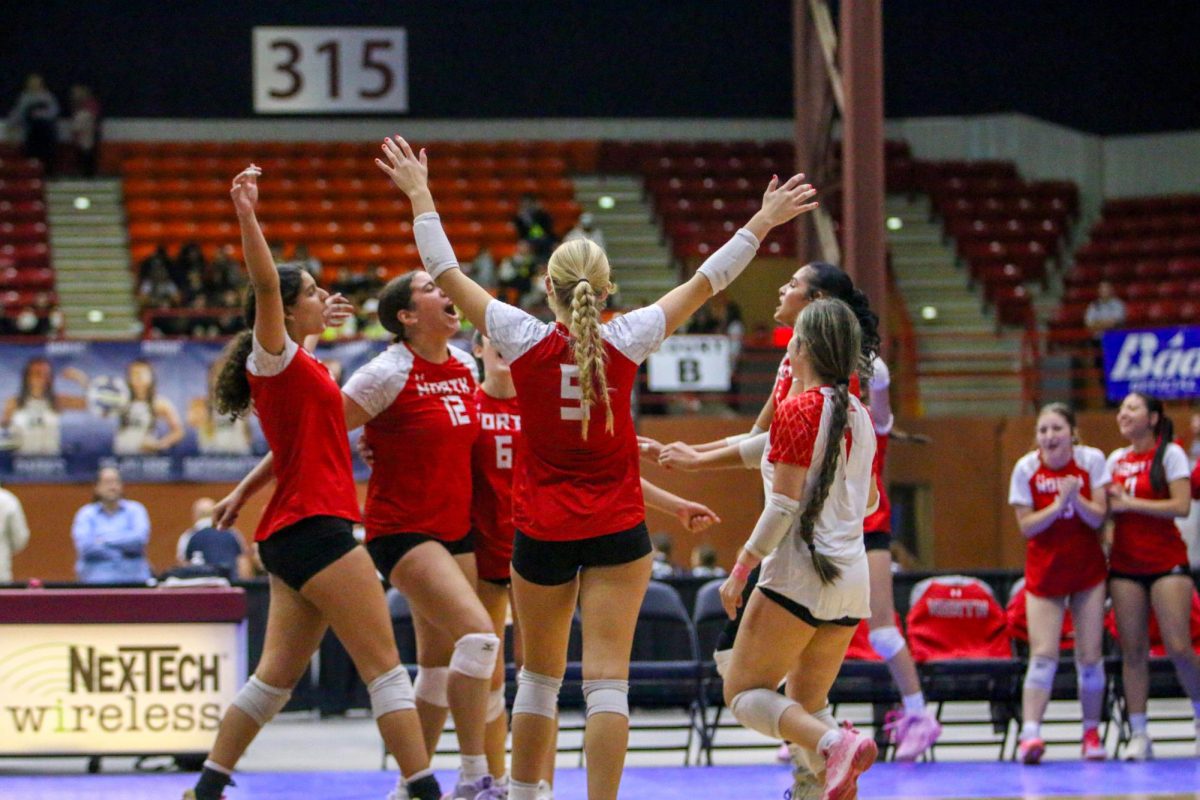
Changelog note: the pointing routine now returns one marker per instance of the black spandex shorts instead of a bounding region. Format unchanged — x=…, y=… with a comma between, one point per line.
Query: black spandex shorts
x=802, y=612
x=386, y=551
x=1149, y=579
x=555, y=563
x=296, y=553
x=877, y=540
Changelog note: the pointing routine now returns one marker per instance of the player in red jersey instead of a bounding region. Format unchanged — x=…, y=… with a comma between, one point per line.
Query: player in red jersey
x=1058, y=494
x=916, y=729
x=1147, y=566
x=492, y=525
x=814, y=586
x=319, y=576
x=578, y=505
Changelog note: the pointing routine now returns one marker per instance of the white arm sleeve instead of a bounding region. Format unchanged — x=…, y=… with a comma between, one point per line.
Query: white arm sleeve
x=752, y=448
x=723, y=266
x=436, y=253
x=267, y=365
x=737, y=438
x=773, y=524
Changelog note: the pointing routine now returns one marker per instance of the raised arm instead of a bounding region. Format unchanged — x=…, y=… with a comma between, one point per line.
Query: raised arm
x=410, y=173
x=780, y=204
x=269, y=327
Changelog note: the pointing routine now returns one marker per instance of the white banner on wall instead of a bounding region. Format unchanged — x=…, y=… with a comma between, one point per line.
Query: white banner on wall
x=691, y=363
x=330, y=70
x=96, y=689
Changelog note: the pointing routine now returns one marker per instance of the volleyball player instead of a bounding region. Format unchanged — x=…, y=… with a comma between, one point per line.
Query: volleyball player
x=917, y=728
x=1058, y=494
x=1148, y=566
x=578, y=506
x=814, y=585
x=319, y=577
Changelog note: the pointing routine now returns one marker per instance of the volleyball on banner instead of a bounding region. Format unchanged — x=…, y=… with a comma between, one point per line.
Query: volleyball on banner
x=72, y=407
x=1162, y=362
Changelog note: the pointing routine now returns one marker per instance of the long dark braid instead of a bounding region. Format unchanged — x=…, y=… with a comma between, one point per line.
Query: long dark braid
x=1164, y=433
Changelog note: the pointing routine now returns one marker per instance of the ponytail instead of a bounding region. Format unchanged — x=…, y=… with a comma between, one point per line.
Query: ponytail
x=588, y=349
x=831, y=281
x=827, y=571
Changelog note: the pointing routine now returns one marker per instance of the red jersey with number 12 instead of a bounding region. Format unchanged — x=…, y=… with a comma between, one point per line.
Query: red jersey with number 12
x=566, y=487
x=422, y=428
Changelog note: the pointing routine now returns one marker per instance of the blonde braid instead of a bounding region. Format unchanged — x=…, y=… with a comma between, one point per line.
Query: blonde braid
x=589, y=352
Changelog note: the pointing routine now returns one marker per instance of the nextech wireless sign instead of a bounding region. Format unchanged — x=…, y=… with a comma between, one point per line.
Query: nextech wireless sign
x=146, y=688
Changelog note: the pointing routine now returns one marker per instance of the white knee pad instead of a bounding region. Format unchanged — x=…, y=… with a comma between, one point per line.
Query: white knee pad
x=391, y=691
x=475, y=655
x=1040, y=674
x=261, y=701
x=431, y=686
x=722, y=659
x=495, y=706
x=887, y=642
x=606, y=697
x=536, y=694
x=760, y=710
x=1090, y=677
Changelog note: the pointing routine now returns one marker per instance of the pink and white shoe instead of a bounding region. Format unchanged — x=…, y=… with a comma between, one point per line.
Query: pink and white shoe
x=850, y=756
x=1093, y=748
x=1031, y=750
x=912, y=734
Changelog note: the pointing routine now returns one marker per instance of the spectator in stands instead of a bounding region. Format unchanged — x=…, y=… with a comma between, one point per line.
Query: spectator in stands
x=226, y=266
x=158, y=291
x=222, y=549
x=587, y=229
x=517, y=272
x=534, y=225
x=1107, y=311
x=1147, y=567
x=14, y=532
x=1058, y=494
x=189, y=262
x=370, y=326
x=735, y=329
x=662, y=567
x=704, y=563
x=35, y=117
x=483, y=268
x=159, y=256
x=85, y=129
x=111, y=534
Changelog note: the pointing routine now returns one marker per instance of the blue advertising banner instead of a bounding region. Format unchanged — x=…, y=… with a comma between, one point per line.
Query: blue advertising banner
x=1163, y=362
x=72, y=407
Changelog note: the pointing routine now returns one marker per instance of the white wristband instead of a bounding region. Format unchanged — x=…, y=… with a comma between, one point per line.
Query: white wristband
x=436, y=253
x=773, y=524
x=751, y=450
x=723, y=266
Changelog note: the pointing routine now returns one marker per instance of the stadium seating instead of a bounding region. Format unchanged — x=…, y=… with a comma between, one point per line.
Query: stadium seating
x=332, y=198
x=25, y=269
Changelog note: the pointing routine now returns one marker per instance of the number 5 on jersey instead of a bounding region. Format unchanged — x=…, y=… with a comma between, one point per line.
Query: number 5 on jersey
x=571, y=391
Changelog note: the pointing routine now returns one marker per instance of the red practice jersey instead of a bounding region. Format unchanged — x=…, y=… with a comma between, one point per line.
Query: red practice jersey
x=566, y=487
x=422, y=428
x=1143, y=544
x=300, y=410
x=1067, y=556
x=492, y=480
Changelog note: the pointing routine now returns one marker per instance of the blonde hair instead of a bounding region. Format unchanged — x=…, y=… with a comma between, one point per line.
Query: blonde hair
x=579, y=274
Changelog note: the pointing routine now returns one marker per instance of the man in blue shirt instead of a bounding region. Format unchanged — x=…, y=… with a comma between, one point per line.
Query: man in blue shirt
x=111, y=535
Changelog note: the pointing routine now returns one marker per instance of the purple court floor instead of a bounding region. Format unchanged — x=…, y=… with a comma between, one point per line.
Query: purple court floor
x=1169, y=778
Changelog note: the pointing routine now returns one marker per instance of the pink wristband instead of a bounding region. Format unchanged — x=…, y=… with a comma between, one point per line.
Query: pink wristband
x=741, y=572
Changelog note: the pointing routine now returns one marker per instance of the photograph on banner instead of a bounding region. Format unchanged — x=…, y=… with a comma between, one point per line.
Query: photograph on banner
x=145, y=407
x=1161, y=362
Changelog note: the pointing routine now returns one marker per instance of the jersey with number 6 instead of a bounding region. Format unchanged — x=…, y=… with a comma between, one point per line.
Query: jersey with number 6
x=1145, y=544
x=1066, y=557
x=492, y=480
x=423, y=425
x=566, y=487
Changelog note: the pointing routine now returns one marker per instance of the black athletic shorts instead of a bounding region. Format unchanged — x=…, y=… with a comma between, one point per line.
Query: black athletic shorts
x=877, y=540
x=386, y=551
x=1149, y=579
x=555, y=563
x=304, y=548
x=802, y=612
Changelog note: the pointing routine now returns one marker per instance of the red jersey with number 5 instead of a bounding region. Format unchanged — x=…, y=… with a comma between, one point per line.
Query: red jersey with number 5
x=423, y=425
x=1066, y=557
x=492, y=480
x=1145, y=544
x=566, y=487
